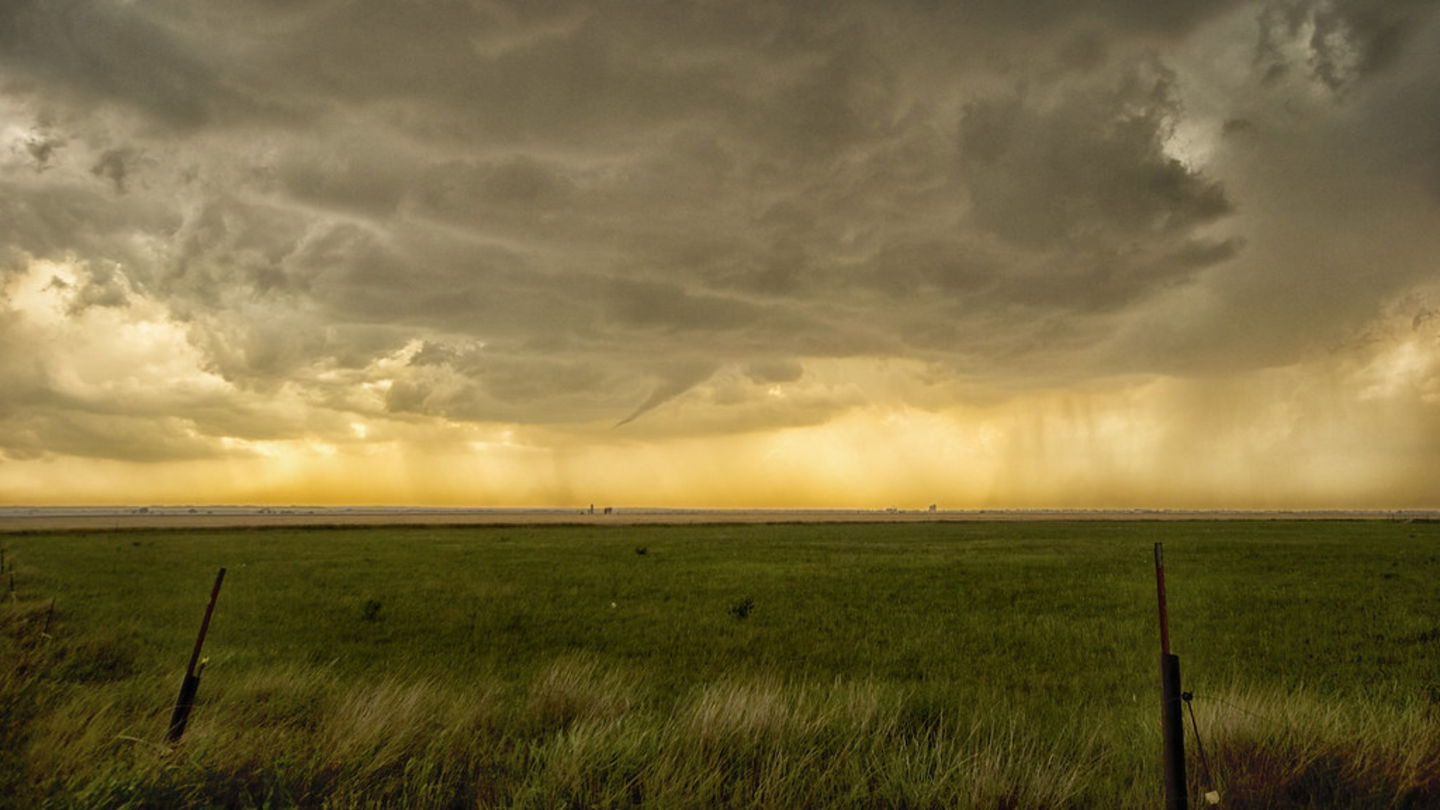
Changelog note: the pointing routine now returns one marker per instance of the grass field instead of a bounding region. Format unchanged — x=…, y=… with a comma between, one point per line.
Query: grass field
x=759, y=666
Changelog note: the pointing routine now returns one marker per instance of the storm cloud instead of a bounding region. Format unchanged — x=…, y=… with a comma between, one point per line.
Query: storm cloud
x=276, y=222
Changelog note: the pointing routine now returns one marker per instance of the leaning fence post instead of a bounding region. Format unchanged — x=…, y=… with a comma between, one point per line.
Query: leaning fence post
x=191, y=684
x=1172, y=726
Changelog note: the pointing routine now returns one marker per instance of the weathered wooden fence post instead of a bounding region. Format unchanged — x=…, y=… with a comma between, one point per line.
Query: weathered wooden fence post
x=191, y=684
x=1172, y=724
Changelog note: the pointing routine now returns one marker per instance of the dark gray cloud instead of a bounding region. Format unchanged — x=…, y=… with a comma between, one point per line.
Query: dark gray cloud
x=1093, y=168
x=1347, y=40
x=110, y=52
x=114, y=166
x=41, y=148
x=569, y=214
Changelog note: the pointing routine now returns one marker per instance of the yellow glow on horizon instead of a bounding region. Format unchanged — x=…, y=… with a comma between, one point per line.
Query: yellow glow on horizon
x=886, y=433
x=1101, y=449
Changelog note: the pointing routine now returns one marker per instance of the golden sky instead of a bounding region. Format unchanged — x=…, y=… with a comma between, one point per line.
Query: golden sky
x=1098, y=254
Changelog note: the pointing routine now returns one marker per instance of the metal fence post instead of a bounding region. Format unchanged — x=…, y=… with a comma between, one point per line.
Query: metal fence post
x=188, y=687
x=1172, y=724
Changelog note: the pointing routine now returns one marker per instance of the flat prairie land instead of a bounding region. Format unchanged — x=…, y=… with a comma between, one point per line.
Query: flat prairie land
x=960, y=664
x=109, y=518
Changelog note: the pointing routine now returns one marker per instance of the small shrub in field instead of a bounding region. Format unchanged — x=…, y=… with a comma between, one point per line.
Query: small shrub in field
x=642, y=550
x=743, y=608
x=370, y=611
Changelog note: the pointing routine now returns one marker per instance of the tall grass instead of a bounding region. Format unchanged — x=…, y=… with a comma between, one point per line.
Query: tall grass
x=579, y=736
x=1284, y=749
x=584, y=736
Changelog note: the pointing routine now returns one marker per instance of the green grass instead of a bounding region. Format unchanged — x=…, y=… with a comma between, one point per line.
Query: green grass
x=999, y=665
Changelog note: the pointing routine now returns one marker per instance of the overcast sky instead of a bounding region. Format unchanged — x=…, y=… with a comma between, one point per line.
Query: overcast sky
x=1050, y=253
